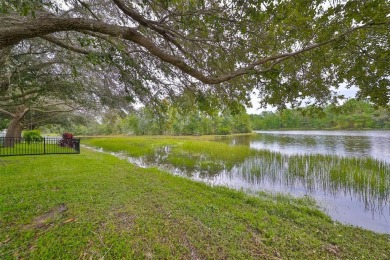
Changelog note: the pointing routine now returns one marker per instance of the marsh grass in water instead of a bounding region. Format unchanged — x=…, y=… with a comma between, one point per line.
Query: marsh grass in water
x=95, y=206
x=364, y=176
x=135, y=146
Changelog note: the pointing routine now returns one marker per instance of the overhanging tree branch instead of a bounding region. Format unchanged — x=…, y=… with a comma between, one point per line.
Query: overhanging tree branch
x=7, y=98
x=42, y=26
x=58, y=42
x=7, y=113
x=166, y=34
x=54, y=111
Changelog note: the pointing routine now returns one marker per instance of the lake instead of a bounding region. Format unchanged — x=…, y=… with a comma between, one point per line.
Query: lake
x=375, y=144
x=347, y=203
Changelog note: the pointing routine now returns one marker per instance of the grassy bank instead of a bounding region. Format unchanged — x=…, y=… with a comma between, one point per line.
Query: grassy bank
x=95, y=205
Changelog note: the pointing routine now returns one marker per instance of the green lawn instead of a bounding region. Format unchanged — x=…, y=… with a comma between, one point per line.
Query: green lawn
x=94, y=205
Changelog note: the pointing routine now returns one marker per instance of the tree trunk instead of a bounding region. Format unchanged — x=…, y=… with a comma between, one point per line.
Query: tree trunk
x=14, y=132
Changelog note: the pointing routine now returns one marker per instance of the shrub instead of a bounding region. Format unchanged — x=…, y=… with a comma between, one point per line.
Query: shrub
x=32, y=136
x=67, y=140
x=224, y=130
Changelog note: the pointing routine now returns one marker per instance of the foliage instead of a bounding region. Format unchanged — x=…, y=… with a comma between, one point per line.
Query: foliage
x=38, y=86
x=67, y=140
x=151, y=121
x=67, y=136
x=111, y=55
x=32, y=136
x=290, y=51
x=3, y=123
x=353, y=114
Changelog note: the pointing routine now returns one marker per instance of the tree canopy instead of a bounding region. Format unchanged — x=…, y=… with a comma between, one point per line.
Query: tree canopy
x=212, y=52
x=38, y=83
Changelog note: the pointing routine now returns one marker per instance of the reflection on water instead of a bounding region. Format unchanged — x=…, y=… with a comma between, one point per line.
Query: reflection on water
x=375, y=144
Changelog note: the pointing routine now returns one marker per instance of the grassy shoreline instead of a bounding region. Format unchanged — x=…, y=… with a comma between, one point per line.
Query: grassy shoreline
x=96, y=205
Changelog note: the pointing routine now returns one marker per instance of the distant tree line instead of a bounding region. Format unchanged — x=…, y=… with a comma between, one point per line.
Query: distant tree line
x=353, y=114
x=165, y=120
x=169, y=119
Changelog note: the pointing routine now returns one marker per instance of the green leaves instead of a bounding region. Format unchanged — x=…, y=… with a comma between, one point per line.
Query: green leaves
x=23, y=7
x=32, y=136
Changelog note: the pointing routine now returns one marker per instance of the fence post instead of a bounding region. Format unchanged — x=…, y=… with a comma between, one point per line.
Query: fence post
x=77, y=145
x=44, y=145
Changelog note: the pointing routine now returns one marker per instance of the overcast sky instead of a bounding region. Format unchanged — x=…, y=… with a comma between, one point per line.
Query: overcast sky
x=348, y=93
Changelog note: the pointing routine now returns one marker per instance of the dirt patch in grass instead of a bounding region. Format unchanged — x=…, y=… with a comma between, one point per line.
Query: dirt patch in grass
x=42, y=221
x=124, y=220
x=193, y=251
x=332, y=249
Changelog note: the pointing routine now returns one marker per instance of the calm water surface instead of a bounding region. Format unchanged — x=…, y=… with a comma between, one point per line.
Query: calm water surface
x=375, y=144
x=346, y=201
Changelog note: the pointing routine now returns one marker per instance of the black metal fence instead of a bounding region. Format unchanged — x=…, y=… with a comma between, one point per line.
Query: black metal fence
x=19, y=146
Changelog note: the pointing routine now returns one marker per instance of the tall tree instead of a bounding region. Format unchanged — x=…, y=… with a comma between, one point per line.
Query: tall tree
x=289, y=50
x=42, y=82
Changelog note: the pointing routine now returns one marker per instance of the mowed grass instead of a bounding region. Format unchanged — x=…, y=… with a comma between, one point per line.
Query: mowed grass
x=94, y=206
